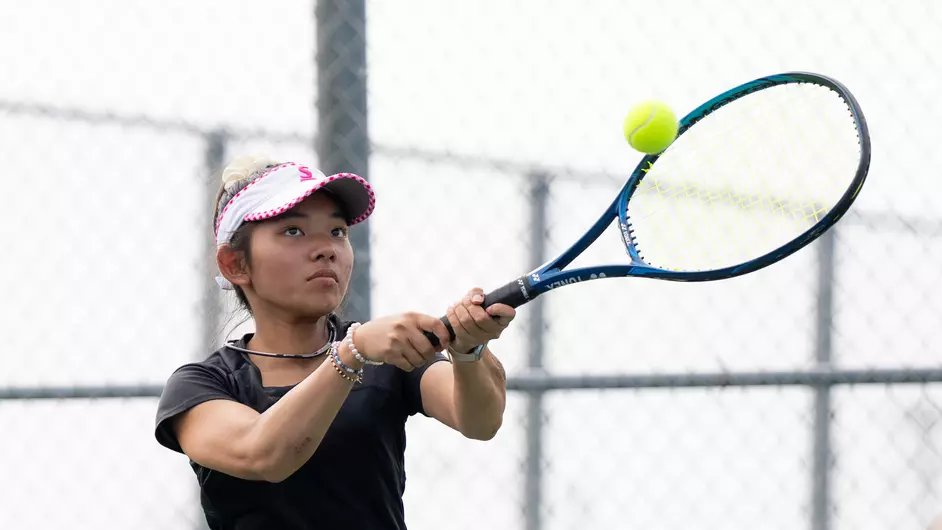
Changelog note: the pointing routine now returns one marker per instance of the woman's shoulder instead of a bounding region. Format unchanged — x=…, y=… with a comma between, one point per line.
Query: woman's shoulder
x=228, y=359
x=221, y=361
x=222, y=369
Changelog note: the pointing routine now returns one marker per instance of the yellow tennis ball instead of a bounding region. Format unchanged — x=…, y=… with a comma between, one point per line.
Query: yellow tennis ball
x=650, y=127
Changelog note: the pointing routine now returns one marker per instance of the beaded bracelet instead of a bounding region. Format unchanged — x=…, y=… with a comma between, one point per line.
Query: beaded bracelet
x=350, y=374
x=348, y=340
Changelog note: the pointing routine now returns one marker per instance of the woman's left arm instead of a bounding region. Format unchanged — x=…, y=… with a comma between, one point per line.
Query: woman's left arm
x=470, y=395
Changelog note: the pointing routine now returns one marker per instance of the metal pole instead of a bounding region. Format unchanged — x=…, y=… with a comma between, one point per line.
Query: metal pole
x=822, y=456
x=533, y=491
x=343, y=136
x=213, y=159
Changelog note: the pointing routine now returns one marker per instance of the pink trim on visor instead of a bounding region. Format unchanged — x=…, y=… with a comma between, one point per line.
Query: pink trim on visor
x=283, y=187
x=268, y=214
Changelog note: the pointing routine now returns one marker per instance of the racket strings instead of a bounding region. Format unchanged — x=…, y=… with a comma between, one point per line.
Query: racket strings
x=800, y=212
x=746, y=179
x=804, y=215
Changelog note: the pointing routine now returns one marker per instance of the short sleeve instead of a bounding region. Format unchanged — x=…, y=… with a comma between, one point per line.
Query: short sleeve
x=189, y=386
x=412, y=390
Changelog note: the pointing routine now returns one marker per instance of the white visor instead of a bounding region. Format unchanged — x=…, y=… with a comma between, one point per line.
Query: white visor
x=284, y=187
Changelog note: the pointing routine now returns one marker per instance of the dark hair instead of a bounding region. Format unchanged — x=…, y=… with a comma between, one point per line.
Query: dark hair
x=242, y=237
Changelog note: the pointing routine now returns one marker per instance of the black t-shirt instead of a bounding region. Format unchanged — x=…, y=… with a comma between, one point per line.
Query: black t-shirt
x=356, y=477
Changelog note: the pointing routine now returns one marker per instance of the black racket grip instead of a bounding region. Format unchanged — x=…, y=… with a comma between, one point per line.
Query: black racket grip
x=514, y=294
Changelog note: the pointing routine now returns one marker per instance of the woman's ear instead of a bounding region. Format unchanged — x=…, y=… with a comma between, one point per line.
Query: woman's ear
x=232, y=266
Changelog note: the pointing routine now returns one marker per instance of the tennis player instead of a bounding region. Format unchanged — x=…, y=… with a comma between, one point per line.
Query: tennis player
x=301, y=424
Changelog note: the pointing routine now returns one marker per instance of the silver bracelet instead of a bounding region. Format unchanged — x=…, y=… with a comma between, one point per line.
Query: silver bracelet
x=348, y=340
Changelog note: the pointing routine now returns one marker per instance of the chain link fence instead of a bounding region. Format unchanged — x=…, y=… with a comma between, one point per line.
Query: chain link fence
x=806, y=395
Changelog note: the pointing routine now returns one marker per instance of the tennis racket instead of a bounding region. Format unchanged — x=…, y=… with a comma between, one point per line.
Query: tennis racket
x=755, y=174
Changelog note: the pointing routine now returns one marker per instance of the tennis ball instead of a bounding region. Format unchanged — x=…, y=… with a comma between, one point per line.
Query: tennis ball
x=650, y=127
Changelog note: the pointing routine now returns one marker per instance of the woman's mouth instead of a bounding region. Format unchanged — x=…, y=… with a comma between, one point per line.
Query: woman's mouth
x=325, y=276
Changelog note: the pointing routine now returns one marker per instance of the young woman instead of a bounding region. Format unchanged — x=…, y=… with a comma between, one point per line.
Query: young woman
x=301, y=424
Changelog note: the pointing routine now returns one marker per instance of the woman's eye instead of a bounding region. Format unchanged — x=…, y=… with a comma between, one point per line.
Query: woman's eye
x=293, y=232
x=339, y=232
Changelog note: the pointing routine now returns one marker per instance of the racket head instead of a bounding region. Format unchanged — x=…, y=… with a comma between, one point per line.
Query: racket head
x=638, y=241
x=845, y=183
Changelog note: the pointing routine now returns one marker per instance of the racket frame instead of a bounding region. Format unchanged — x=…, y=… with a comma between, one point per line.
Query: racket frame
x=551, y=275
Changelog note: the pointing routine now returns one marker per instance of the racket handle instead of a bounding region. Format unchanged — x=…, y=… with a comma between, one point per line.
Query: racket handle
x=434, y=339
x=514, y=294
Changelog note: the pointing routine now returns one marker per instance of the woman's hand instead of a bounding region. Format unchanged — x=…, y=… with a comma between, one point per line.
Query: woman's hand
x=475, y=325
x=399, y=339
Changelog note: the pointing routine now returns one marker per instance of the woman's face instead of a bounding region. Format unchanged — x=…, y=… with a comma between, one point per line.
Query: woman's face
x=301, y=261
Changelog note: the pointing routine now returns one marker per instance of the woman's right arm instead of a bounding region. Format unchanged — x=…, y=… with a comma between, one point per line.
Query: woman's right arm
x=232, y=438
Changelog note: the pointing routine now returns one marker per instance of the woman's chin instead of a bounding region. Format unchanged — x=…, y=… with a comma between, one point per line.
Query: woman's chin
x=323, y=305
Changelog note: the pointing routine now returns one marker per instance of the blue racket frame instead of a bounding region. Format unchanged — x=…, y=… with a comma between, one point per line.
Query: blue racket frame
x=551, y=275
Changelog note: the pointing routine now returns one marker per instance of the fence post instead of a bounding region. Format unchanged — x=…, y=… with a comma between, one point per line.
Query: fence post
x=822, y=456
x=533, y=481
x=214, y=155
x=343, y=138
x=213, y=158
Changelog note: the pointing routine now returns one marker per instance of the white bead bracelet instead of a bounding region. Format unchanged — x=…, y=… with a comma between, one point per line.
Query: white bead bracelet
x=348, y=340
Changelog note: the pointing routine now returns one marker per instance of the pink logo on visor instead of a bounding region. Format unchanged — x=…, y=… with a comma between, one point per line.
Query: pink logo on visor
x=305, y=173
